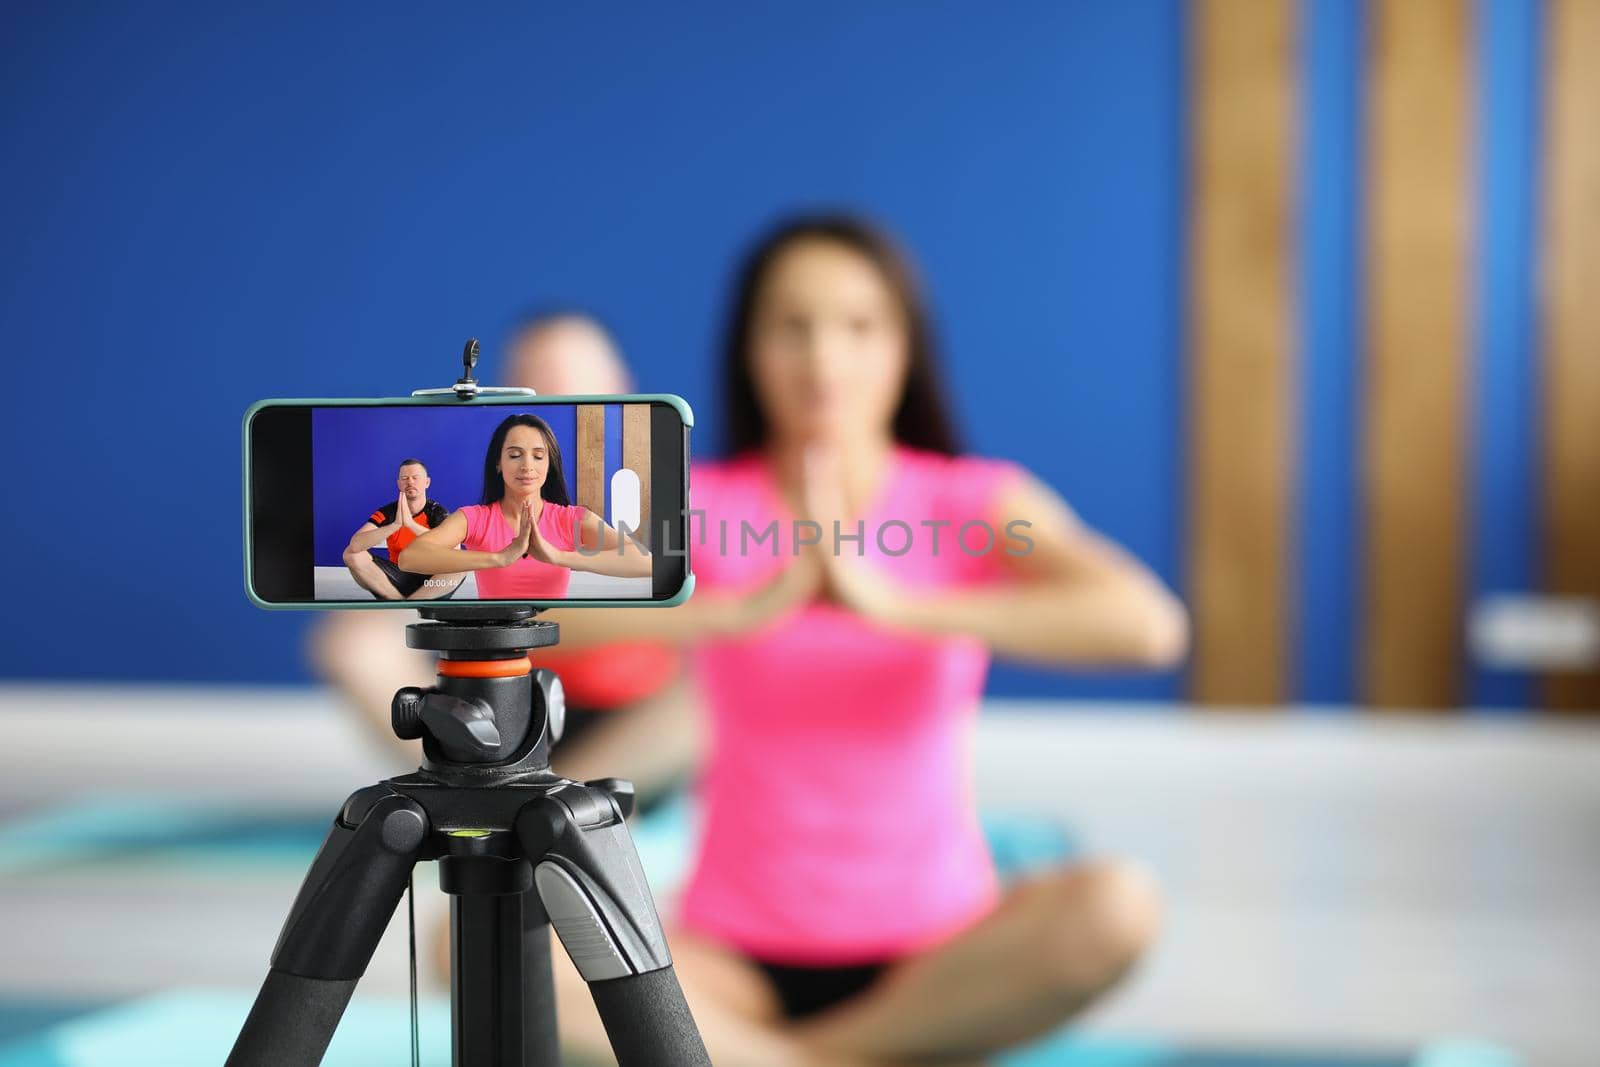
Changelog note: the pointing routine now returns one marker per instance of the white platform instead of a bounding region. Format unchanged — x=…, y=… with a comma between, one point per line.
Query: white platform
x=335, y=583
x=1331, y=882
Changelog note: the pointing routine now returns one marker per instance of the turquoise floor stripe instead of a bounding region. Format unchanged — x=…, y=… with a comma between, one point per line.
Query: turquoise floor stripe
x=196, y=1028
x=1466, y=1052
x=157, y=829
x=21, y=1018
x=178, y=832
x=191, y=1028
x=89, y=827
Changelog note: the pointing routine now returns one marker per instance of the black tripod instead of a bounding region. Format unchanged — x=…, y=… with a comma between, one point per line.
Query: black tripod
x=519, y=849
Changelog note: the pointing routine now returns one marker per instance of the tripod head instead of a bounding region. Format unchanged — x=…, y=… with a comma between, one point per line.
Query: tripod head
x=489, y=712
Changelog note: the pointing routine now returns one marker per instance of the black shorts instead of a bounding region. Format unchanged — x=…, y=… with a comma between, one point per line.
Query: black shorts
x=806, y=991
x=404, y=582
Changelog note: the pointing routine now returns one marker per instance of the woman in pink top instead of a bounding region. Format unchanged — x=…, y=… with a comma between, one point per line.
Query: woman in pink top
x=855, y=574
x=522, y=540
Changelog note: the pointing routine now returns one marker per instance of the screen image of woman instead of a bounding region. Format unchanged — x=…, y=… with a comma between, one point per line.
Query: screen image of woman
x=526, y=537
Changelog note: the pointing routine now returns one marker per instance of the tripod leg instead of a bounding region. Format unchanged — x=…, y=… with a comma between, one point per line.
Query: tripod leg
x=343, y=907
x=588, y=877
x=544, y=1044
x=292, y=1020
x=648, y=1021
x=502, y=993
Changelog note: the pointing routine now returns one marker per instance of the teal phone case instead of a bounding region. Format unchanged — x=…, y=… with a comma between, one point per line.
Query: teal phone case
x=677, y=403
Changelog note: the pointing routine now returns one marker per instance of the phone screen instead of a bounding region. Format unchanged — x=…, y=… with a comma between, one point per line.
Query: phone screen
x=506, y=500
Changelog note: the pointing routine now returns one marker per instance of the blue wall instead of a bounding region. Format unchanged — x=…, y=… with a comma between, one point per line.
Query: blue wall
x=210, y=205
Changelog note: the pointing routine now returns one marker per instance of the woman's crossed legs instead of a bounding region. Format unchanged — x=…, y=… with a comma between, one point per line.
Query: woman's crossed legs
x=1055, y=943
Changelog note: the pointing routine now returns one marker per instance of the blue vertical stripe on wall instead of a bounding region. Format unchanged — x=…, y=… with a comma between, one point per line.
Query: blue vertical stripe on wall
x=1505, y=465
x=613, y=450
x=1331, y=178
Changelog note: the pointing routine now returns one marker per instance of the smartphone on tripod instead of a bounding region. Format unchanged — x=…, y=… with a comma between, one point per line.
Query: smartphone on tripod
x=476, y=508
x=337, y=490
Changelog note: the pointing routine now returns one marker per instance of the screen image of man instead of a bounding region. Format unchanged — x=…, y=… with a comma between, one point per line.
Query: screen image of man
x=395, y=525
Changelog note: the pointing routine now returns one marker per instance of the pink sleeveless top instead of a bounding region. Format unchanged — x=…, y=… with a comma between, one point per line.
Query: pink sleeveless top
x=488, y=530
x=839, y=823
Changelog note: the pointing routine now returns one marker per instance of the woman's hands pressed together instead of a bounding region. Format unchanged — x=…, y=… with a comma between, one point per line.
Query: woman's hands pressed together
x=821, y=570
x=528, y=542
x=845, y=578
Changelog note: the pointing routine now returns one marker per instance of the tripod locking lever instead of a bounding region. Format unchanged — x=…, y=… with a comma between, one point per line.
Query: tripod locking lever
x=464, y=729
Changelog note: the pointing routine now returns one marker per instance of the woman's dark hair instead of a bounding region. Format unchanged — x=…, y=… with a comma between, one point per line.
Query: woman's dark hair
x=554, y=488
x=921, y=420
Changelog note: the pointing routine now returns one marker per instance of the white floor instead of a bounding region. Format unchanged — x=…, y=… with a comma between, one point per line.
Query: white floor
x=1341, y=882
x=336, y=583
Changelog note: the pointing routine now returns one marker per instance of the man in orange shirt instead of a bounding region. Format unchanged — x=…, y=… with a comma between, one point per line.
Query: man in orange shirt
x=398, y=524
